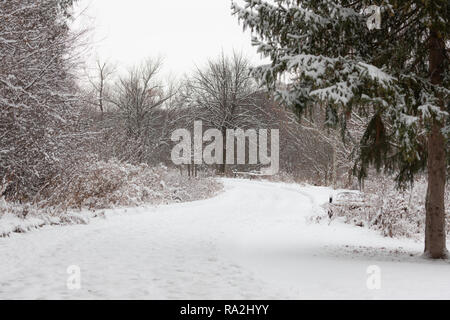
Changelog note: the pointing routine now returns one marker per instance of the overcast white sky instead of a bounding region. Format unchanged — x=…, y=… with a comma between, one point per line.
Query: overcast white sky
x=184, y=32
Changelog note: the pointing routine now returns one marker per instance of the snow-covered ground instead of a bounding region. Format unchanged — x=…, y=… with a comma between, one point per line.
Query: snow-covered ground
x=253, y=241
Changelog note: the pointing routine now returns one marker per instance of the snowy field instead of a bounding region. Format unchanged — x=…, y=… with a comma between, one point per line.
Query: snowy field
x=253, y=241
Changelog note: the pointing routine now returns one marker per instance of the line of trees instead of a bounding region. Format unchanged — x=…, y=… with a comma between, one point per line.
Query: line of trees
x=137, y=113
x=50, y=124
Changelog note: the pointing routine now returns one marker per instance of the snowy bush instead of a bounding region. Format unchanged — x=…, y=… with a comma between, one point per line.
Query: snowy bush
x=101, y=185
x=20, y=218
x=382, y=207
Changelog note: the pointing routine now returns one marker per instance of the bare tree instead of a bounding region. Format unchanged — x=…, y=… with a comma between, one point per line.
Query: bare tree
x=224, y=96
x=100, y=83
x=141, y=112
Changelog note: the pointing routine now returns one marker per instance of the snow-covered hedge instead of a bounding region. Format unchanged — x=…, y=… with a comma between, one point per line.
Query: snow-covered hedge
x=384, y=208
x=20, y=218
x=103, y=185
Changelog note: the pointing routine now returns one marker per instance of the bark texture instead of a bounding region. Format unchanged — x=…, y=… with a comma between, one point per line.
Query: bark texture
x=435, y=235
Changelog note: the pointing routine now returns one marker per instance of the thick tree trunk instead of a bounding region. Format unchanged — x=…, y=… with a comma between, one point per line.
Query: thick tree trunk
x=435, y=234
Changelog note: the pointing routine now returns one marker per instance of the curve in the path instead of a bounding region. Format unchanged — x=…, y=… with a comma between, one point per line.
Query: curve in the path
x=251, y=242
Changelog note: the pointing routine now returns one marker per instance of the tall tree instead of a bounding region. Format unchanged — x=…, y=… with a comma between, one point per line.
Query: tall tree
x=224, y=95
x=398, y=74
x=38, y=103
x=141, y=108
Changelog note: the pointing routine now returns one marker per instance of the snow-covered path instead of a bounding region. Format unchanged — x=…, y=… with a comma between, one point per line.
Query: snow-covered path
x=251, y=242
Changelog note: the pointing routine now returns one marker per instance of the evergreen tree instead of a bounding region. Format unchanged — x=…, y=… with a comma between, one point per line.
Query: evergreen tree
x=397, y=74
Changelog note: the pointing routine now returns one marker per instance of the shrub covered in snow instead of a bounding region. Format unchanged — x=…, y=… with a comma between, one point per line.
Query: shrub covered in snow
x=20, y=218
x=382, y=207
x=101, y=185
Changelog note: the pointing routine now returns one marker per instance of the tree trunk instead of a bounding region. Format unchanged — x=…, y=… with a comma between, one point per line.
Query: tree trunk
x=435, y=234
